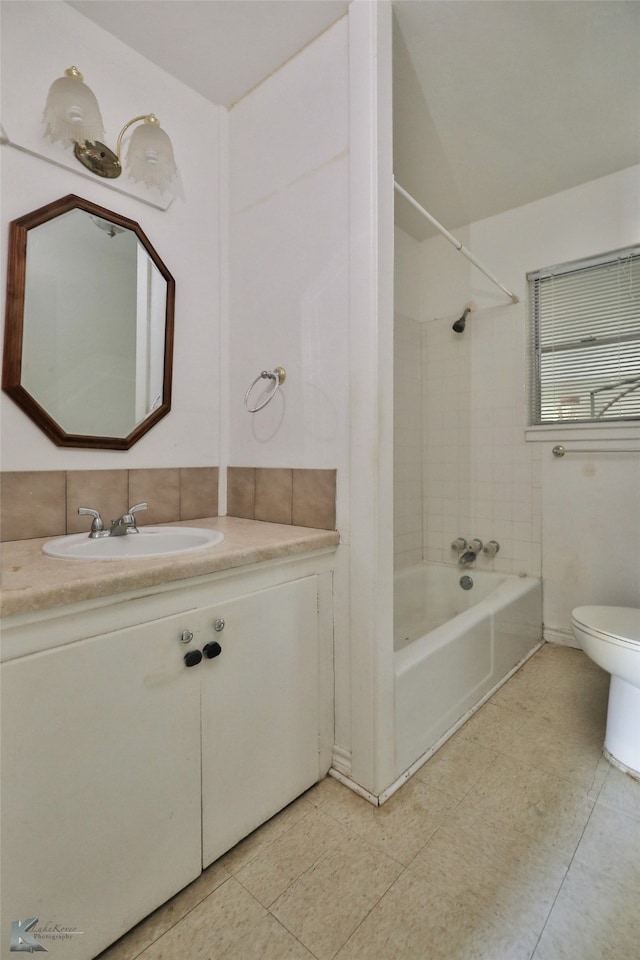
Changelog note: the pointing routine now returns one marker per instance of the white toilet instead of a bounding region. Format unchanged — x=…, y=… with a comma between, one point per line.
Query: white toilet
x=610, y=636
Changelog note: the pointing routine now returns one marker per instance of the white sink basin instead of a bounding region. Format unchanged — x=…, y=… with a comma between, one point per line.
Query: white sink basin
x=149, y=542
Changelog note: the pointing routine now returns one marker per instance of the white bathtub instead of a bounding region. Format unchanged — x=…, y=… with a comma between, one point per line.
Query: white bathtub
x=453, y=647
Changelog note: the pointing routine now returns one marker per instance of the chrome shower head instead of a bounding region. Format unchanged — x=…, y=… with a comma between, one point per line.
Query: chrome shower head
x=458, y=326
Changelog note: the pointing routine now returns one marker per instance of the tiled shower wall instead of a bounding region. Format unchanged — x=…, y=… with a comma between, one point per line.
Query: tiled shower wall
x=479, y=478
x=409, y=442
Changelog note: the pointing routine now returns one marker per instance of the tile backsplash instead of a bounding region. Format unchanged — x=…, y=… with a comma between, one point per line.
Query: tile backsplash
x=45, y=503
x=305, y=498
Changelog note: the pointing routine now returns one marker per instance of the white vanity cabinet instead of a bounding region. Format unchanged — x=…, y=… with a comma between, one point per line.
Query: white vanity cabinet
x=260, y=725
x=100, y=784
x=125, y=771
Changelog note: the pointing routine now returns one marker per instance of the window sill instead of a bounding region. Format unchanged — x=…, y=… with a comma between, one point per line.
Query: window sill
x=600, y=432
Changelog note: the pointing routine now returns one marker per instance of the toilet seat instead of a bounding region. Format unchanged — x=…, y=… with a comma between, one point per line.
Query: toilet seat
x=620, y=624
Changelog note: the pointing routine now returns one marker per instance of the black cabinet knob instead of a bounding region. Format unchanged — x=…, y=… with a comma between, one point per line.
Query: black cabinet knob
x=193, y=658
x=212, y=650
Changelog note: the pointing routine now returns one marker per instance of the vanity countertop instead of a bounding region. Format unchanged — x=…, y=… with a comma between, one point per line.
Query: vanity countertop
x=33, y=581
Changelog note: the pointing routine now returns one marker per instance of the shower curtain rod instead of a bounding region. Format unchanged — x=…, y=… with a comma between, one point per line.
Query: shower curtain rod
x=456, y=243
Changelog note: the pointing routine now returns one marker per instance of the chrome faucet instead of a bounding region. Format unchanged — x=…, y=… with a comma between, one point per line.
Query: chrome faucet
x=467, y=558
x=126, y=523
x=123, y=525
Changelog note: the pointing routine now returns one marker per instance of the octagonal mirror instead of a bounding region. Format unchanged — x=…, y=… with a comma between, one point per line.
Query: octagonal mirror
x=89, y=325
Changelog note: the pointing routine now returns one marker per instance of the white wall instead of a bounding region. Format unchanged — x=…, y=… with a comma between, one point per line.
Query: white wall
x=583, y=510
x=289, y=260
x=45, y=39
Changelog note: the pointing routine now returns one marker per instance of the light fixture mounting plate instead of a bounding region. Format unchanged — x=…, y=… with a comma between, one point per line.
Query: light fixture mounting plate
x=98, y=158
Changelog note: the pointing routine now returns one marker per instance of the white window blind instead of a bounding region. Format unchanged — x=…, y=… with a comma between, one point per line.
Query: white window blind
x=585, y=340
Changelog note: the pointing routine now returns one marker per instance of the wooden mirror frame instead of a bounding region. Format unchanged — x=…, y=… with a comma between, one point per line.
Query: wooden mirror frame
x=13, y=333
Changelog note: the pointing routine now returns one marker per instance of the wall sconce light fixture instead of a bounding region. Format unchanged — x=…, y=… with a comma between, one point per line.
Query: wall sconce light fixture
x=72, y=116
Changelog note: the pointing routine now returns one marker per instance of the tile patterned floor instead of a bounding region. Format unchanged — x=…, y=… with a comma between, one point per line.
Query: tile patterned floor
x=516, y=841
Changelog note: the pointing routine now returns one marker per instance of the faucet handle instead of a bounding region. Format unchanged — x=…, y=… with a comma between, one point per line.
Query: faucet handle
x=127, y=522
x=475, y=545
x=459, y=544
x=491, y=548
x=128, y=519
x=97, y=525
x=88, y=512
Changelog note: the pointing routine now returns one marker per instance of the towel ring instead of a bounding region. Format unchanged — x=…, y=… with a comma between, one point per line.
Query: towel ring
x=278, y=375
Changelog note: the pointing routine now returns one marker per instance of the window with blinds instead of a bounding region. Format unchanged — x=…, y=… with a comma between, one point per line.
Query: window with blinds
x=585, y=340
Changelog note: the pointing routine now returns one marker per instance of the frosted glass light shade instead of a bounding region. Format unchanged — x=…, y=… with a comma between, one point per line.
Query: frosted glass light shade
x=71, y=113
x=150, y=158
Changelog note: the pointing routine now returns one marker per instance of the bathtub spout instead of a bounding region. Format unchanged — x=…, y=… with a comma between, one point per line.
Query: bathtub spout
x=467, y=558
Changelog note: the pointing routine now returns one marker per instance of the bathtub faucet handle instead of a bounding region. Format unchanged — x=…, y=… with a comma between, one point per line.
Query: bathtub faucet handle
x=475, y=545
x=491, y=548
x=459, y=544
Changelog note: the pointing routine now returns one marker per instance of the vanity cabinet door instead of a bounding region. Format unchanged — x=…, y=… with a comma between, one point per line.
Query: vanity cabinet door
x=259, y=710
x=100, y=785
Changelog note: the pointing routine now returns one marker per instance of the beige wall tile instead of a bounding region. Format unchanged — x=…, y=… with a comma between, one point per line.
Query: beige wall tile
x=314, y=499
x=33, y=504
x=241, y=492
x=160, y=489
x=106, y=491
x=198, y=492
x=274, y=488
x=45, y=503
